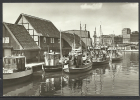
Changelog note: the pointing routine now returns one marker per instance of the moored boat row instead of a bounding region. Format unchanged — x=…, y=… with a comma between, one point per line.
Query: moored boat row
x=79, y=61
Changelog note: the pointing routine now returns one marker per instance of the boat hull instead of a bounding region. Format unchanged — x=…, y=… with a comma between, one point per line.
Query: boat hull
x=101, y=63
x=81, y=69
x=17, y=77
x=53, y=68
x=117, y=58
x=78, y=76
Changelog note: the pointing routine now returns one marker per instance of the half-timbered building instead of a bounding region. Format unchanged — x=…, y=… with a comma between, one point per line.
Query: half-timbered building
x=17, y=41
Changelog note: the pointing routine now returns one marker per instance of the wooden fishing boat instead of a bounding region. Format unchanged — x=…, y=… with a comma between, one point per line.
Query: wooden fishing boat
x=79, y=62
x=81, y=69
x=14, y=70
x=98, y=63
x=78, y=76
x=98, y=58
x=115, y=56
x=52, y=62
x=80, y=66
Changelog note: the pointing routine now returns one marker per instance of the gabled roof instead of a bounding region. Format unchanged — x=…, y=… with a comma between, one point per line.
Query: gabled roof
x=22, y=36
x=45, y=27
x=69, y=38
x=83, y=34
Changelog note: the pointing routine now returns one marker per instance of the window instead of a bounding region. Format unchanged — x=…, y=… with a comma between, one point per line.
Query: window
x=44, y=39
x=31, y=32
x=6, y=40
x=58, y=40
x=52, y=40
x=35, y=38
x=37, y=43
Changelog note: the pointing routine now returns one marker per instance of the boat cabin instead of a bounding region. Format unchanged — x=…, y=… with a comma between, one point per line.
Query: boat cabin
x=16, y=63
x=98, y=52
x=114, y=52
x=51, y=59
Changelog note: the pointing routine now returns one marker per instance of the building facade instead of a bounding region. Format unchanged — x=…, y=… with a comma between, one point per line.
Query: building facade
x=107, y=40
x=17, y=41
x=134, y=37
x=84, y=35
x=118, y=40
x=43, y=32
x=33, y=36
x=126, y=35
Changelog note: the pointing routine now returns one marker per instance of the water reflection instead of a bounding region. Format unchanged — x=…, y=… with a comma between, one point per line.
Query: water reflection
x=30, y=88
x=116, y=79
x=51, y=84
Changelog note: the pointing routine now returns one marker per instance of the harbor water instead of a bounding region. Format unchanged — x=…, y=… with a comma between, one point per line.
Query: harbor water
x=120, y=78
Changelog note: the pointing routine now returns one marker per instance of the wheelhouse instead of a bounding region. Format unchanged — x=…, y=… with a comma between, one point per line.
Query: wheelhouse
x=52, y=59
x=14, y=62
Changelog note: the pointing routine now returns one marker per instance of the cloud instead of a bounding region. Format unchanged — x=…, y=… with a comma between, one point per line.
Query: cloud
x=93, y=6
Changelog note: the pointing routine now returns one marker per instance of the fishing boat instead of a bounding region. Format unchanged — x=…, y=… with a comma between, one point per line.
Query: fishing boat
x=14, y=70
x=78, y=76
x=79, y=61
x=99, y=57
x=52, y=62
x=99, y=53
x=115, y=54
x=78, y=64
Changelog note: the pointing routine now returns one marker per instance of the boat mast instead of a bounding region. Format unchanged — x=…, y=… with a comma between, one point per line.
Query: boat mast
x=80, y=37
x=60, y=47
x=101, y=36
x=74, y=40
x=95, y=37
x=86, y=38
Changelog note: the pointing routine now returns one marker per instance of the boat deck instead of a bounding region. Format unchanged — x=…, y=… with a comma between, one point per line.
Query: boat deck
x=30, y=65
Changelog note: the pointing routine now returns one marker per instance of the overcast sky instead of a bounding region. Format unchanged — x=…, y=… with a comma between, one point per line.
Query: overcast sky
x=67, y=16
